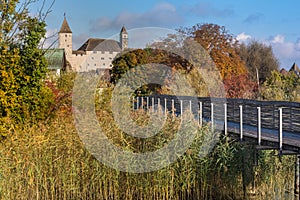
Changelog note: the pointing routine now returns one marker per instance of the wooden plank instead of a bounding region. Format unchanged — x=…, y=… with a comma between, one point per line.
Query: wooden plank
x=269, y=118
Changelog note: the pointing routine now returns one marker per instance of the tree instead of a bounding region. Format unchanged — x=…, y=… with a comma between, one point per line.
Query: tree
x=240, y=86
x=216, y=46
x=222, y=48
x=177, y=63
x=23, y=93
x=259, y=58
x=220, y=45
x=139, y=57
x=284, y=87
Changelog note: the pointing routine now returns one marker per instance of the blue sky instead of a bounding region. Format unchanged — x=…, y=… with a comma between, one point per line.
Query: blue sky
x=273, y=22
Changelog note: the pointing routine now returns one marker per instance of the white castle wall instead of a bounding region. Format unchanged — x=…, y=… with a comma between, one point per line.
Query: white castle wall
x=89, y=60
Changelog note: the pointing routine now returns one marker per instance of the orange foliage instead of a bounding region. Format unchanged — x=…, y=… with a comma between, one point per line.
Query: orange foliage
x=240, y=86
x=221, y=46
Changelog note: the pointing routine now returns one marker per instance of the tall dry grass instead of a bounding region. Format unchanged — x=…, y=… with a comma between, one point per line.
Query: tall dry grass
x=49, y=161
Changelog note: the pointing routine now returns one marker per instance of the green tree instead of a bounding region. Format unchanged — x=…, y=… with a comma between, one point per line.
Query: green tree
x=23, y=93
x=284, y=87
x=191, y=80
x=136, y=58
x=259, y=58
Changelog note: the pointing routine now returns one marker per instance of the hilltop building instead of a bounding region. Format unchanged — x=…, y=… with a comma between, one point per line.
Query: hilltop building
x=95, y=54
x=295, y=69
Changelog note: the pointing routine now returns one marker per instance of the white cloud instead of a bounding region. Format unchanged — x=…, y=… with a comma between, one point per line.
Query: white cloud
x=51, y=39
x=286, y=51
x=162, y=14
x=278, y=39
x=243, y=37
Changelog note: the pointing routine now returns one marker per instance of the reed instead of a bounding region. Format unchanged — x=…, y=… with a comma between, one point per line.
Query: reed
x=49, y=161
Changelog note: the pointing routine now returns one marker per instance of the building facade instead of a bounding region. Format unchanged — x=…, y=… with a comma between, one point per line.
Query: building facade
x=95, y=54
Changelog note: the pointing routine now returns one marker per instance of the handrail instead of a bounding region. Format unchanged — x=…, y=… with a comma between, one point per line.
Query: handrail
x=280, y=116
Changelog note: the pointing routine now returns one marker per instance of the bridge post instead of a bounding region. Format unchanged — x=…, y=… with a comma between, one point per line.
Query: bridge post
x=212, y=115
x=241, y=122
x=259, y=125
x=200, y=114
x=191, y=107
x=225, y=119
x=181, y=108
x=166, y=109
x=173, y=107
x=153, y=109
x=280, y=130
x=158, y=105
x=297, y=176
x=137, y=103
x=147, y=102
x=133, y=104
x=142, y=102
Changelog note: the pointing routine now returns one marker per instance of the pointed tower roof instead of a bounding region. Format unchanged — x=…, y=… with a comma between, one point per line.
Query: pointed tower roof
x=65, y=28
x=123, y=30
x=295, y=68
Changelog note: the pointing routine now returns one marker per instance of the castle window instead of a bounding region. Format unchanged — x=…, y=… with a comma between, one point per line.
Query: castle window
x=65, y=40
x=103, y=64
x=68, y=45
x=110, y=65
x=94, y=51
x=66, y=35
x=110, y=58
x=95, y=64
x=111, y=52
x=102, y=58
x=103, y=52
x=92, y=58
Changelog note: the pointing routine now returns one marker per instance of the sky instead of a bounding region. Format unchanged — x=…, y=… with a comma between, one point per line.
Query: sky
x=274, y=23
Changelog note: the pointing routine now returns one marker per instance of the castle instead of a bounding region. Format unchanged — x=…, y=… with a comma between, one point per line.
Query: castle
x=95, y=54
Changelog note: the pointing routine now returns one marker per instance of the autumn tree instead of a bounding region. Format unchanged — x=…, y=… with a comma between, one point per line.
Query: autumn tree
x=202, y=73
x=259, y=58
x=220, y=45
x=239, y=86
x=215, y=46
x=23, y=93
x=222, y=48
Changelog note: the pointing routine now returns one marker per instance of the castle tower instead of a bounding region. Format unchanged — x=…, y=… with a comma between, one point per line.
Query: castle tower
x=65, y=38
x=123, y=38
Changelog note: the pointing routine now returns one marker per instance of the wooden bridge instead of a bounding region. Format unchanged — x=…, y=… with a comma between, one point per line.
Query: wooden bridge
x=265, y=124
x=269, y=124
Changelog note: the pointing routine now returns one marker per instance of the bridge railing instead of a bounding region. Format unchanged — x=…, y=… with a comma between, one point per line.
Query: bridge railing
x=269, y=113
x=230, y=110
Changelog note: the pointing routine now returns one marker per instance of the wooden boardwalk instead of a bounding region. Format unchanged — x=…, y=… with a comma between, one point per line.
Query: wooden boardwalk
x=268, y=124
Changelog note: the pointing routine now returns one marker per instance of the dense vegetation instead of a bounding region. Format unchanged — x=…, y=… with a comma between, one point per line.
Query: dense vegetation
x=43, y=157
x=23, y=93
x=49, y=161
